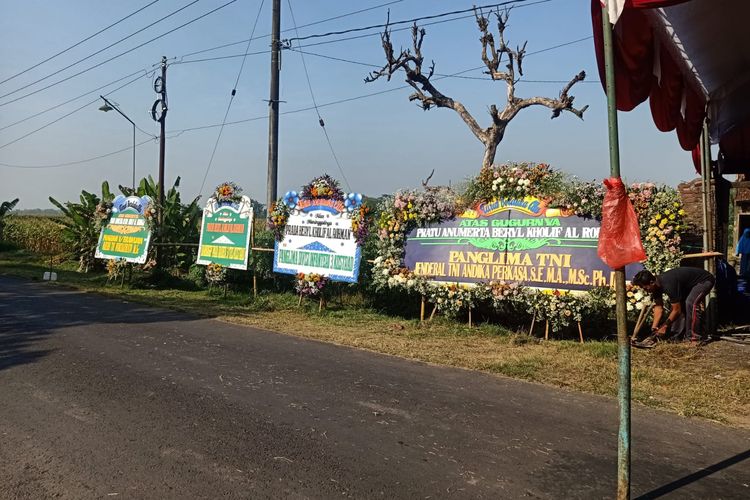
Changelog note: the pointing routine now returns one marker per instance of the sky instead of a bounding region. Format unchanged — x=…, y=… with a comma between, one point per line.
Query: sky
x=383, y=142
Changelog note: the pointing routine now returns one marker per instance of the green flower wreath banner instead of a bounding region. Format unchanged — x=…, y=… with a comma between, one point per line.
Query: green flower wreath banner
x=126, y=231
x=319, y=231
x=225, y=229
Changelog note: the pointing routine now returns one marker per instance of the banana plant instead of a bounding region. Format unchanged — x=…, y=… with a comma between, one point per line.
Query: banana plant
x=80, y=224
x=181, y=222
x=5, y=209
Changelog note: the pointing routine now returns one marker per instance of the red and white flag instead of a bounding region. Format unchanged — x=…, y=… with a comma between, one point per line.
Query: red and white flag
x=614, y=7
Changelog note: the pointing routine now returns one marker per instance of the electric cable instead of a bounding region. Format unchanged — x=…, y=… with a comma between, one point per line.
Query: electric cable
x=145, y=73
x=231, y=98
x=340, y=16
x=50, y=75
x=413, y=20
x=315, y=104
x=79, y=43
x=75, y=111
x=120, y=54
x=176, y=133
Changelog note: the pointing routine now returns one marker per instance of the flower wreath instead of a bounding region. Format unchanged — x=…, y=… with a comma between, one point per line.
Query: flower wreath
x=327, y=188
x=227, y=192
x=659, y=210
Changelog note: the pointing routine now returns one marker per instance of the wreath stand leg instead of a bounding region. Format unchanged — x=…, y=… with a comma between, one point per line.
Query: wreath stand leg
x=255, y=285
x=533, y=320
x=421, y=311
x=226, y=285
x=432, y=314
x=641, y=320
x=580, y=332
x=470, y=317
x=546, y=330
x=322, y=303
x=300, y=300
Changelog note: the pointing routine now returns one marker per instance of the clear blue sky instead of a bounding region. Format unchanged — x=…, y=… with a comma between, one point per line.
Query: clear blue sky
x=383, y=142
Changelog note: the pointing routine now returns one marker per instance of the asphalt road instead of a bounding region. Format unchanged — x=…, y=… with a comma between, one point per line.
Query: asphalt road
x=100, y=398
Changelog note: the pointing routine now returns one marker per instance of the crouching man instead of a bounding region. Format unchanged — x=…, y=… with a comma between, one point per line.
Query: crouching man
x=686, y=288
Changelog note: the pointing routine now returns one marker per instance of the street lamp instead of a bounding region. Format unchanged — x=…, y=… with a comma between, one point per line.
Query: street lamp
x=108, y=106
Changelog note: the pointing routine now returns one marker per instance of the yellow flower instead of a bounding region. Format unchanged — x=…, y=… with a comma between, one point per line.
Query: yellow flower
x=671, y=217
x=676, y=205
x=652, y=221
x=657, y=216
x=667, y=212
x=681, y=212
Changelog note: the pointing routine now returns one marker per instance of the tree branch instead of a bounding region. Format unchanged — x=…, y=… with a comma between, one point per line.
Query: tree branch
x=563, y=103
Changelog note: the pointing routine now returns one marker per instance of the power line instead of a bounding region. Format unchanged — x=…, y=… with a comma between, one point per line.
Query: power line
x=72, y=112
x=176, y=133
x=411, y=21
x=79, y=43
x=120, y=54
x=145, y=73
x=315, y=104
x=231, y=98
x=98, y=51
x=340, y=16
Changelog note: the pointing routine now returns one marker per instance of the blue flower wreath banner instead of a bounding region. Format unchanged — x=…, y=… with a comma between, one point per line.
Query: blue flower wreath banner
x=318, y=238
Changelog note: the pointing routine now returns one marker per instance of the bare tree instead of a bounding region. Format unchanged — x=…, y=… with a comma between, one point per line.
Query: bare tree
x=411, y=60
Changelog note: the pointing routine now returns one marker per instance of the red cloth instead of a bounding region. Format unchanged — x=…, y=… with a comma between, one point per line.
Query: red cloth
x=651, y=4
x=619, y=236
x=696, y=153
x=633, y=41
x=666, y=96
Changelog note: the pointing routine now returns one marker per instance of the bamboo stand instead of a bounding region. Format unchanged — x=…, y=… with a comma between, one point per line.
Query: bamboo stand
x=546, y=330
x=580, y=332
x=421, y=311
x=641, y=320
x=300, y=300
x=470, y=317
x=533, y=320
x=432, y=314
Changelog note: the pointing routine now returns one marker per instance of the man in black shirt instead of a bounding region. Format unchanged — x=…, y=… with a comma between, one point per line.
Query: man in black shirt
x=686, y=288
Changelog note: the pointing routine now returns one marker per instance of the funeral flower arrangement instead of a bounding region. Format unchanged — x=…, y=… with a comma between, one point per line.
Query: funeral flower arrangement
x=216, y=274
x=310, y=284
x=659, y=210
x=228, y=192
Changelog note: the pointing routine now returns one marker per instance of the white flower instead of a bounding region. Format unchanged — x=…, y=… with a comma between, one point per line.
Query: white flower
x=494, y=187
x=639, y=306
x=638, y=295
x=526, y=182
x=518, y=188
x=386, y=272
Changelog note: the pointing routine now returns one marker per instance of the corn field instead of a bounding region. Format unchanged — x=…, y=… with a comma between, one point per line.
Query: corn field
x=42, y=235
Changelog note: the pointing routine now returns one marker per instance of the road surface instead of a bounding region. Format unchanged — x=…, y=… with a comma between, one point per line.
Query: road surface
x=100, y=398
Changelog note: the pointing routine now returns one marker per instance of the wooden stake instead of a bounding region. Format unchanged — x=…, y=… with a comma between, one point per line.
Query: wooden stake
x=546, y=330
x=641, y=320
x=533, y=320
x=470, y=317
x=432, y=314
x=255, y=285
x=300, y=300
x=421, y=311
x=580, y=332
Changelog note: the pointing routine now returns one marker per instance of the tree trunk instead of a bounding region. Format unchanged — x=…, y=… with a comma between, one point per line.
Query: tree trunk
x=490, y=146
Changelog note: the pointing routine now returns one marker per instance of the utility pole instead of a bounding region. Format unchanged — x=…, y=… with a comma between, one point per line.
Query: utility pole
x=273, y=103
x=162, y=140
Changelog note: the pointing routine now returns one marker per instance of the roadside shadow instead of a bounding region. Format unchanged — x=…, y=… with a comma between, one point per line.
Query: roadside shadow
x=695, y=476
x=30, y=313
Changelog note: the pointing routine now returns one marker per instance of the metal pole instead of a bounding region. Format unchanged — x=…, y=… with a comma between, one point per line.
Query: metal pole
x=162, y=138
x=133, y=156
x=273, y=103
x=704, y=196
x=623, y=341
x=709, y=216
x=131, y=122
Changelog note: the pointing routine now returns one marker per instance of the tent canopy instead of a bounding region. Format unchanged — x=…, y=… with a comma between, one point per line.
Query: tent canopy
x=682, y=55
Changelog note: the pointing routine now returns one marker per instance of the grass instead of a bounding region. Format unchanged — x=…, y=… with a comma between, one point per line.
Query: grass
x=709, y=382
